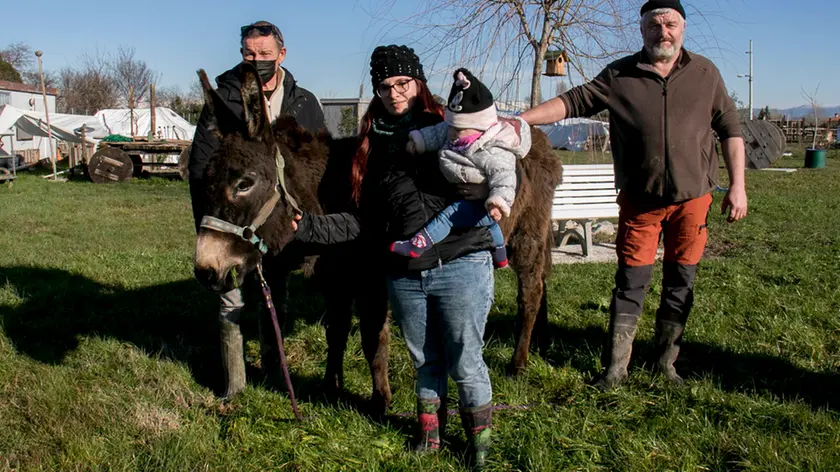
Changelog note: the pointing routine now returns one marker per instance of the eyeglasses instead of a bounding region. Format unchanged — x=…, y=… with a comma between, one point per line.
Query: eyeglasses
x=384, y=90
x=264, y=30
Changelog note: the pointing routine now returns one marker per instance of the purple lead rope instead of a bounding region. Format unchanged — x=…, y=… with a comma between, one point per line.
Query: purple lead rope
x=283, y=365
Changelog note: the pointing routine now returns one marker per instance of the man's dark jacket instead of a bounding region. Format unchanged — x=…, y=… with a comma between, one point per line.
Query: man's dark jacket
x=298, y=103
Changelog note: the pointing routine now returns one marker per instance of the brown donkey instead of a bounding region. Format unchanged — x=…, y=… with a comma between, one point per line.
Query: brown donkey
x=242, y=187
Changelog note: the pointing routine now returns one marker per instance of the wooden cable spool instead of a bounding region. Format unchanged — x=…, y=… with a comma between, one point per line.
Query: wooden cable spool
x=764, y=143
x=110, y=165
x=6, y=176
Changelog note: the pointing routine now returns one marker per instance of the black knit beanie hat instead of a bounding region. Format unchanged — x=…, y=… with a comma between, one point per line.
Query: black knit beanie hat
x=656, y=4
x=393, y=61
x=470, y=104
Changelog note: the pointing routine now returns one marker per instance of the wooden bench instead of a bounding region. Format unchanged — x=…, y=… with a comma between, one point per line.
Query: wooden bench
x=587, y=192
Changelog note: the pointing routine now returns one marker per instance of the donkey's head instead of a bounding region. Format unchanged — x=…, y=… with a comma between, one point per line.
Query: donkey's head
x=246, y=210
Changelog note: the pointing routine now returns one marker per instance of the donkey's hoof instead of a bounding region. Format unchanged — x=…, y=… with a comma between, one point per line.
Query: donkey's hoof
x=671, y=374
x=609, y=380
x=330, y=390
x=514, y=369
x=378, y=404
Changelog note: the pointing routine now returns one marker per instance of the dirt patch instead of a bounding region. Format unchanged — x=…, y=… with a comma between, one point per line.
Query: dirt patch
x=720, y=249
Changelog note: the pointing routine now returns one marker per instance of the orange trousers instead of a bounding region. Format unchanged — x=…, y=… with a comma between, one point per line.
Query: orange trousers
x=641, y=222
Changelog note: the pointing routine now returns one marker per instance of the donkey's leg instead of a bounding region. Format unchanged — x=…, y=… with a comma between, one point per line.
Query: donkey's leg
x=337, y=322
x=543, y=334
x=527, y=255
x=373, y=321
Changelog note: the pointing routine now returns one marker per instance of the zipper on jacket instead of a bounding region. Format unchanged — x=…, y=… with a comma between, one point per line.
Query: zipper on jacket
x=667, y=183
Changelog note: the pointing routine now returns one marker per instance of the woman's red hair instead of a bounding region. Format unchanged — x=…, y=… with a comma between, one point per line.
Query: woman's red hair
x=425, y=102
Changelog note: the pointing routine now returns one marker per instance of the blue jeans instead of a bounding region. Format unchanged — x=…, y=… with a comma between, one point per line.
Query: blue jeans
x=464, y=214
x=442, y=313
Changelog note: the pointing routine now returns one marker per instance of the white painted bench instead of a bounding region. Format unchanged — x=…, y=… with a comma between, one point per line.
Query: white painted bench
x=586, y=193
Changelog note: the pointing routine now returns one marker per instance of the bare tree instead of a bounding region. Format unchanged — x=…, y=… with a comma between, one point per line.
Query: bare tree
x=19, y=55
x=743, y=110
x=168, y=96
x=132, y=77
x=186, y=104
x=196, y=92
x=501, y=39
x=88, y=88
x=31, y=77
x=493, y=32
x=812, y=100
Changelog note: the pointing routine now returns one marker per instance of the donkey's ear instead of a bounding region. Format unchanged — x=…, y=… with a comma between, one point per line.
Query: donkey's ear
x=221, y=120
x=253, y=102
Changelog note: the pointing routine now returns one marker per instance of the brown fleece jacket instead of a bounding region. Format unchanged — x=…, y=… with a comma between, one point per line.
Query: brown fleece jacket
x=661, y=128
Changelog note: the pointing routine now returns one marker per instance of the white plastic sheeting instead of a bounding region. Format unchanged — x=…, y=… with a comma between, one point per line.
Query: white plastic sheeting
x=168, y=124
x=63, y=126
x=573, y=133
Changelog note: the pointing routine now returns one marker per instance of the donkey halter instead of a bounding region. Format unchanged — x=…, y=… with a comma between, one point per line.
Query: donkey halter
x=249, y=233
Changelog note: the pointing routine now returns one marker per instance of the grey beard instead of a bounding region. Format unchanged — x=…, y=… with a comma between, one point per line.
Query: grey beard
x=663, y=52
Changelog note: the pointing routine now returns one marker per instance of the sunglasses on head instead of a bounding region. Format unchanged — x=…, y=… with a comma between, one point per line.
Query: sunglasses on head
x=264, y=30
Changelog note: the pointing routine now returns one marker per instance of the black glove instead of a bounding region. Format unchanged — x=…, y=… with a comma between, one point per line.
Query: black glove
x=472, y=191
x=303, y=230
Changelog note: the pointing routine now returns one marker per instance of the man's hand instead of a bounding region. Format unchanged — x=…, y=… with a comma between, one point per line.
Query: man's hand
x=736, y=198
x=410, y=147
x=297, y=218
x=734, y=204
x=495, y=212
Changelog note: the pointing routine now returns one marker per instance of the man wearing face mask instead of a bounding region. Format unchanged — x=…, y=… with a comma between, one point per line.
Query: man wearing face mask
x=262, y=45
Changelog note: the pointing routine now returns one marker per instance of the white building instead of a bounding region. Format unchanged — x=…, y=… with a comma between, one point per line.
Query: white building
x=335, y=113
x=29, y=98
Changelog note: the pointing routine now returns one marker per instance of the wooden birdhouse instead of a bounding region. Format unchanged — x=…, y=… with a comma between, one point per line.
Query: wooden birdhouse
x=555, y=63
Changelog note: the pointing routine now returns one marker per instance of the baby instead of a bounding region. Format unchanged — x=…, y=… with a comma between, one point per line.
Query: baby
x=475, y=147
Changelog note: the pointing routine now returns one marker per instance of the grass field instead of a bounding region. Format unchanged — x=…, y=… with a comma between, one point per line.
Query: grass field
x=109, y=357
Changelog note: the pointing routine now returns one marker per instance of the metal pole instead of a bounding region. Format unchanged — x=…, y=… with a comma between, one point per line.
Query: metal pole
x=131, y=109
x=153, y=117
x=14, y=156
x=751, y=79
x=46, y=112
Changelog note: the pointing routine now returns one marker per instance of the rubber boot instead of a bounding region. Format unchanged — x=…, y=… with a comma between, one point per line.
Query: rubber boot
x=617, y=350
x=672, y=315
x=428, y=419
x=233, y=358
x=478, y=424
x=443, y=416
x=668, y=339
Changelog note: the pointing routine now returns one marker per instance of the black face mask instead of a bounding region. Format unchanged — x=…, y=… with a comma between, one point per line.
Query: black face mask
x=265, y=69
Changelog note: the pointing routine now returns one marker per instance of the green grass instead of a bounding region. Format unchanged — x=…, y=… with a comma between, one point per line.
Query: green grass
x=108, y=355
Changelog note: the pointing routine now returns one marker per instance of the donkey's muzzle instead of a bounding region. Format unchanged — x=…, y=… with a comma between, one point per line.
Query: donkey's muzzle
x=207, y=276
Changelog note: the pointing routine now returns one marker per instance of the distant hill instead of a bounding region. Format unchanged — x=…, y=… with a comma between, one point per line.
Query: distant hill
x=803, y=110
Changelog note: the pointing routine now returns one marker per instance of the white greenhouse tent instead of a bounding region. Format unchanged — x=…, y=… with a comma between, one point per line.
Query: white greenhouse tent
x=27, y=130
x=578, y=134
x=168, y=124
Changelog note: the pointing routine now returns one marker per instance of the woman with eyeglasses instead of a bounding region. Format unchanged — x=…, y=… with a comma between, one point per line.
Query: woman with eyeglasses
x=441, y=299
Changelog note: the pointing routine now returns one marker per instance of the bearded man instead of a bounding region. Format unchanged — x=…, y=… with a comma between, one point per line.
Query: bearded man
x=664, y=103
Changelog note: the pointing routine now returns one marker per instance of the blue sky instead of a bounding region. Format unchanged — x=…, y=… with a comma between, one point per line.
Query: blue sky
x=329, y=41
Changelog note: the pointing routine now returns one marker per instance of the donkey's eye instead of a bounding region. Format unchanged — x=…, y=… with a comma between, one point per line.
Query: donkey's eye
x=244, y=185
